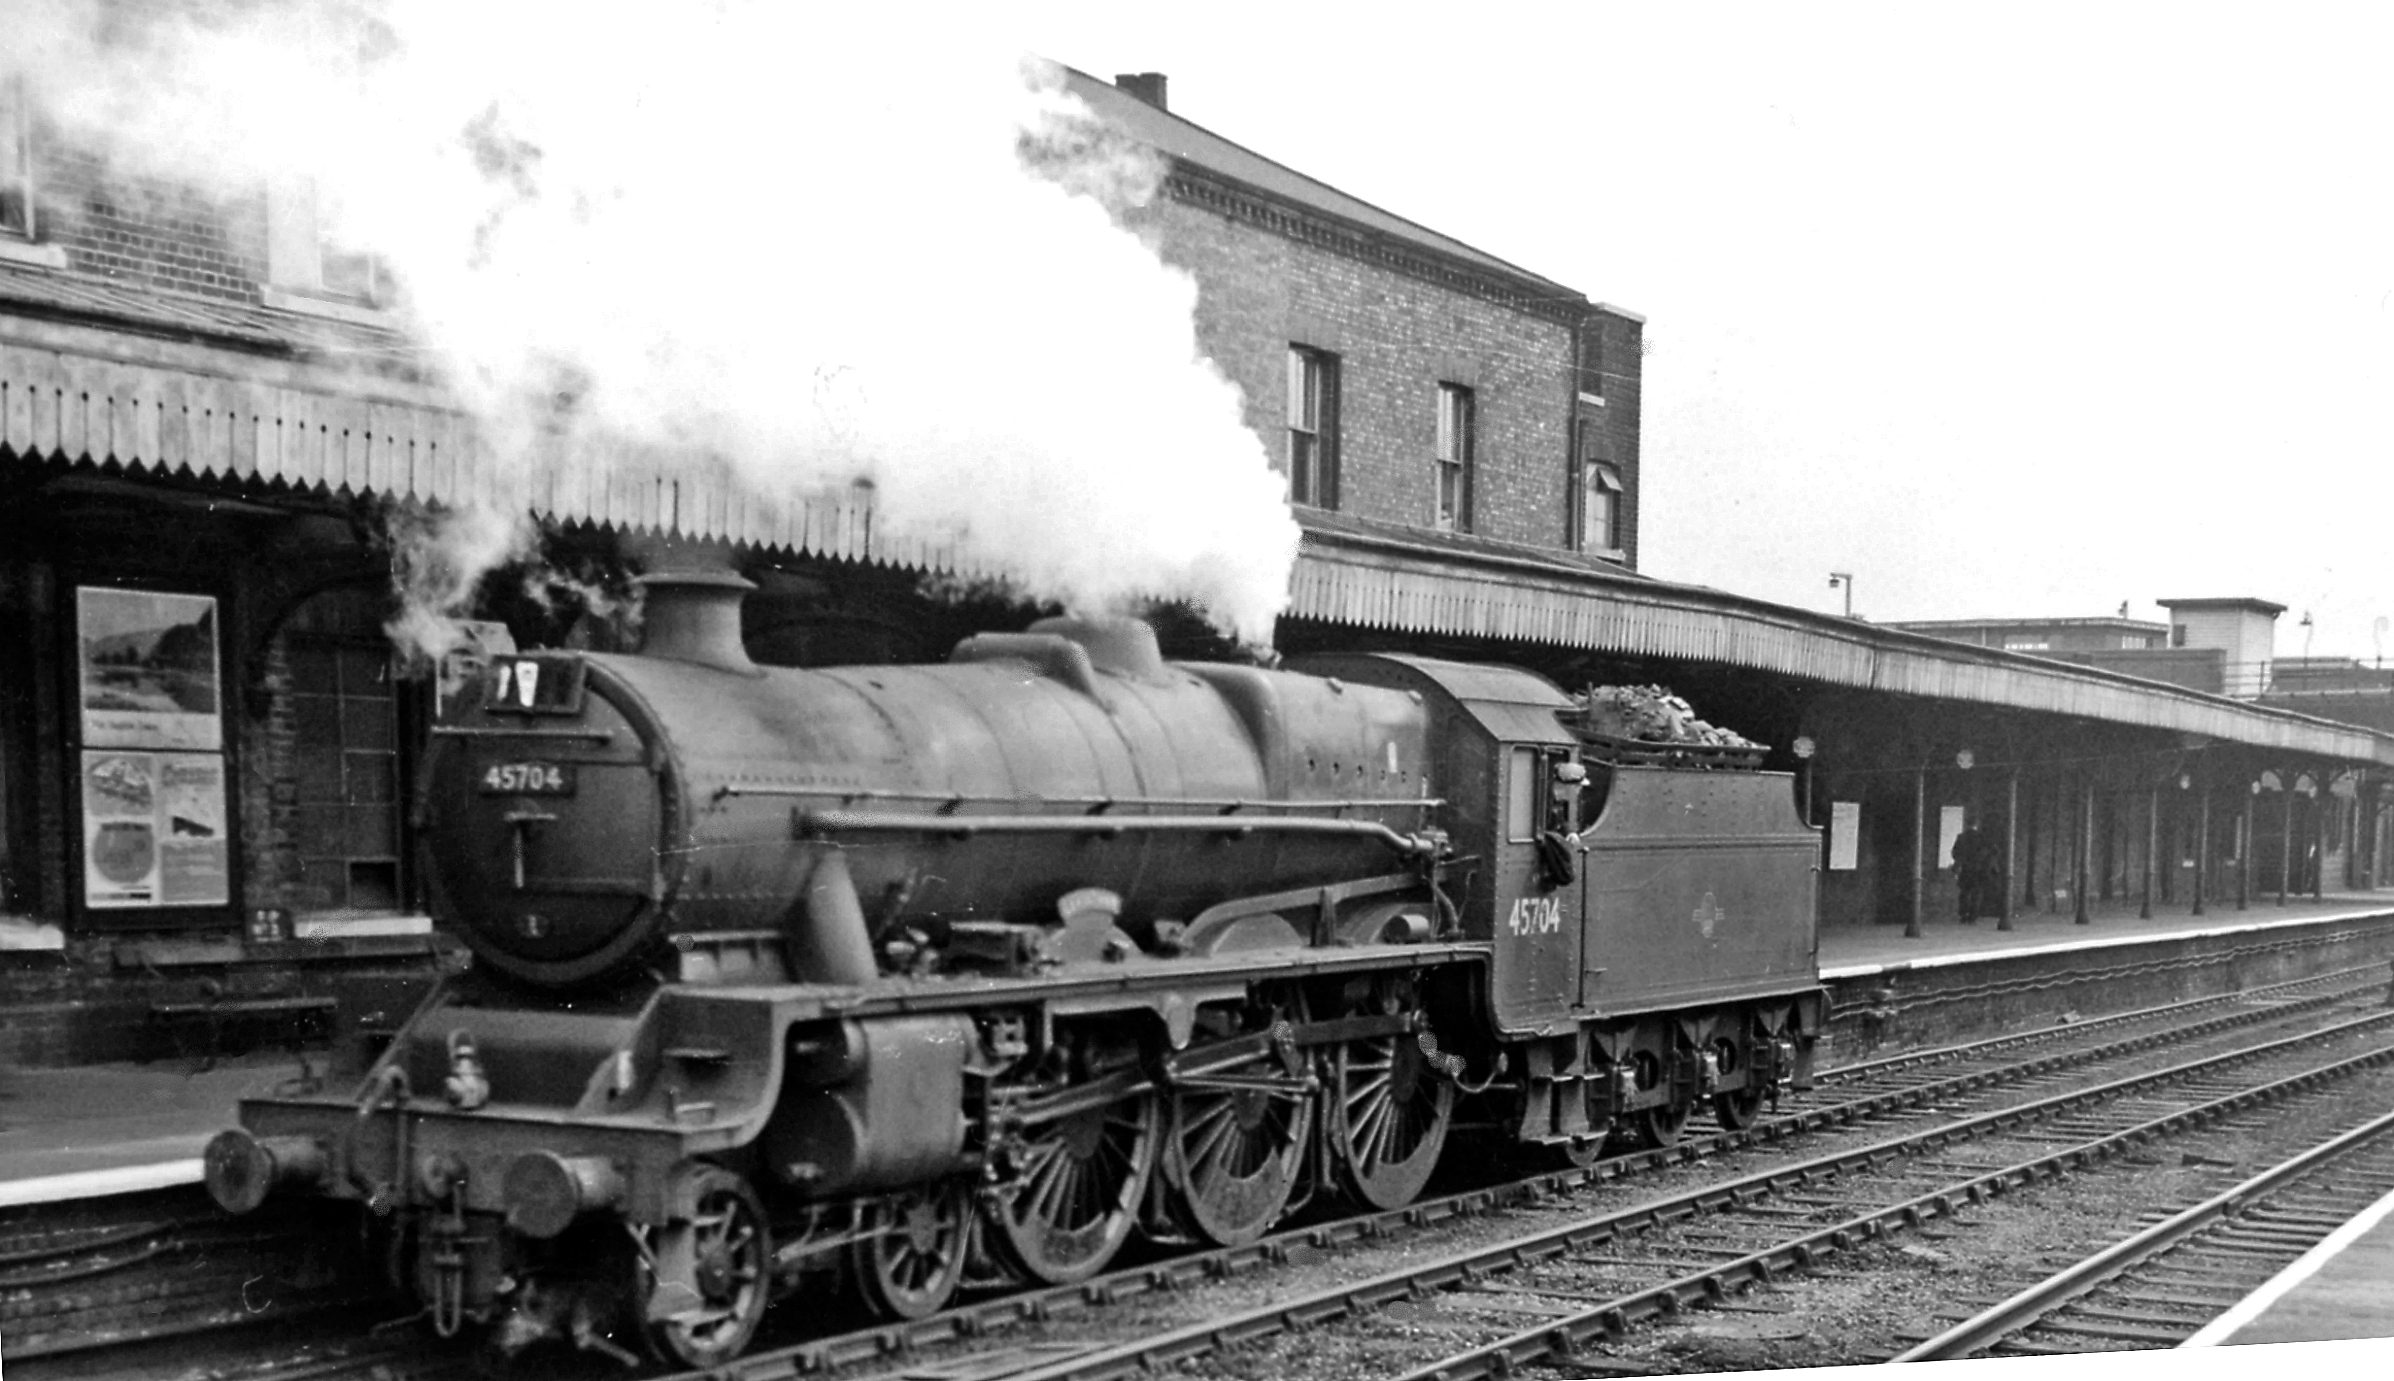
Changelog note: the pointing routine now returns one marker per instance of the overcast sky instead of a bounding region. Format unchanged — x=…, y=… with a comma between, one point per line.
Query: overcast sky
x=2020, y=310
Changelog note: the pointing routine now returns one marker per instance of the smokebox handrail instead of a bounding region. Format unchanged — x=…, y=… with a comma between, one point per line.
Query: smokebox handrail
x=502, y=731
x=819, y=822
x=949, y=800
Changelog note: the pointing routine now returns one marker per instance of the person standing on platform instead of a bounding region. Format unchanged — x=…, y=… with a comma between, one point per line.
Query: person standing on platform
x=1969, y=849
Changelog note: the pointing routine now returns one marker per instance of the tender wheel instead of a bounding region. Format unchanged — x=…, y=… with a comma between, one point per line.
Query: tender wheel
x=1233, y=1150
x=1735, y=1109
x=1390, y=1116
x=731, y=1255
x=912, y=1267
x=1077, y=1196
x=1660, y=1127
x=1656, y=1128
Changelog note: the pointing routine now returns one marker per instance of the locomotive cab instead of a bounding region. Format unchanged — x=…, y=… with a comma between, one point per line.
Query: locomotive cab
x=1650, y=915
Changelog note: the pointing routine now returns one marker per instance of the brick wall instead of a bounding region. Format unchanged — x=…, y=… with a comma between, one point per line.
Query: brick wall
x=146, y=230
x=1397, y=337
x=1620, y=344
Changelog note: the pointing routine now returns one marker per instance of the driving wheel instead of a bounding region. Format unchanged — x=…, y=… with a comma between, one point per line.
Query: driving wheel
x=1235, y=1144
x=1076, y=1194
x=1389, y=1115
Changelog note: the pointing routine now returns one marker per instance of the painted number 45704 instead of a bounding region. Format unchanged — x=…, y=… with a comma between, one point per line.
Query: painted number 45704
x=528, y=779
x=1535, y=916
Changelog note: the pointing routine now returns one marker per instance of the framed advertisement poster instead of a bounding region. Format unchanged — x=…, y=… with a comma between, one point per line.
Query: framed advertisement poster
x=151, y=776
x=154, y=829
x=148, y=670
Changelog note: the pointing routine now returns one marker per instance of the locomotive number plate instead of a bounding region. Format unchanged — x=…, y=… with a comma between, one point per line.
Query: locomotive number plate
x=528, y=779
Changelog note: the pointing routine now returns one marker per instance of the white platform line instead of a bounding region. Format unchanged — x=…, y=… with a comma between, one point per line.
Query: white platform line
x=2303, y=1267
x=94, y=1184
x=1981, y=956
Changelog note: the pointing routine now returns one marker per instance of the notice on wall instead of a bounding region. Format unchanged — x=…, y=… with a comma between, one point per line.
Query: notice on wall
x=1949, y=829
x=1845, y=835
x=154, y=829
x=149, y=677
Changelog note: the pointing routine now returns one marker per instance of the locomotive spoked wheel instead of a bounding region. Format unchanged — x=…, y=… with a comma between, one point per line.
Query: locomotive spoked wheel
x=1077, y=1196
x=732, y=1255
x=1656, y=1127
x=912, y=1267
x=1233, y=1150
x=1735, y=1109
x=1390, y=1113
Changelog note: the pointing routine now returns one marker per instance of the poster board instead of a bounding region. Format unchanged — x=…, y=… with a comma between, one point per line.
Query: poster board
x=1949, y=828
x=154, y=829
x=1845, y=835
x=151, y=777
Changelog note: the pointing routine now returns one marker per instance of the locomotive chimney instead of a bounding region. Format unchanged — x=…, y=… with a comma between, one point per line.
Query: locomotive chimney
x=694, y=616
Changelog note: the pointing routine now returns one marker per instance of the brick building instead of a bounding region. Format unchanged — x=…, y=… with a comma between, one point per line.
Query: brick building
x=1403, y=379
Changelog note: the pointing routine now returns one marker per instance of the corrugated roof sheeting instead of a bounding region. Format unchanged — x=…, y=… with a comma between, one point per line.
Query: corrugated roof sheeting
x=1649, y=619
x=179, y=421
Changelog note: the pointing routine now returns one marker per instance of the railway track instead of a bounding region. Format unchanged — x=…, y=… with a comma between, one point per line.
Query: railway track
x=1916, y=1084
x=107, y=1272
x=1925, y=1085
x=1685, y=1248
x=2162, y=1285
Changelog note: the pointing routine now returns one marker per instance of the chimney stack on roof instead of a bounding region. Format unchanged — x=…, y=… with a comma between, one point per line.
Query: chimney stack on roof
x=1147, y=86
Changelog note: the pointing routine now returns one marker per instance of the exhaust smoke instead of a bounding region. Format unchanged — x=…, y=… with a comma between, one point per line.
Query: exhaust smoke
x=794, y=251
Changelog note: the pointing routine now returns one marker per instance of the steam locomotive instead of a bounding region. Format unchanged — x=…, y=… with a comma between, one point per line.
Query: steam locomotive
x=901, y=973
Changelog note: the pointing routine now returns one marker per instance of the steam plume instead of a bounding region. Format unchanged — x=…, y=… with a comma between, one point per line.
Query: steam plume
x=819, y=250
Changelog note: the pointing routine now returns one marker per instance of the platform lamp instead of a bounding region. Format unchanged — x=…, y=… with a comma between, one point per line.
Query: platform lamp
x=1804, y=748
x=1844, y=580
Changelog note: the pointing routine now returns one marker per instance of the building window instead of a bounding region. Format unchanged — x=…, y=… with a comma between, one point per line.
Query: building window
x=1457, y=420
x=1312, y=428
x=345, y=716
x=2177, y=635
x=299, y=259
x=1600, y=515
x=16, y=160
x=1591, y=363
x=1598, y=486
x=2027, y=645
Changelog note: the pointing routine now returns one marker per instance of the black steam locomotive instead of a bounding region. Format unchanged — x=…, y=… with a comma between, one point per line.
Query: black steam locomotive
x=900, y=972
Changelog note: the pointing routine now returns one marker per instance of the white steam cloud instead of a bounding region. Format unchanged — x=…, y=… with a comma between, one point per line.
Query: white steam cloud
x=820, y=249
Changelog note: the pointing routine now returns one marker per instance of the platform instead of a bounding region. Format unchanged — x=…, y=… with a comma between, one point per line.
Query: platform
x=2342, y=1288
x=86, y=1132
x=1858, y=951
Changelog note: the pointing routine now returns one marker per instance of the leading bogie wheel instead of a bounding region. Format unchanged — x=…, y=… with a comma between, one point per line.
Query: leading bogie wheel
x=910, y=1265
x=1390, y=1111
x=1076, y=1194
x=731, y=1252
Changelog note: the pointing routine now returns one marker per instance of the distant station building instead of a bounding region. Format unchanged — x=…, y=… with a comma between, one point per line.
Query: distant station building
x=2219, y=645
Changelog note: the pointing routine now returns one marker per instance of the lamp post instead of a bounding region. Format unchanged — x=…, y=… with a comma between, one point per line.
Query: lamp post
x=1844, y=580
